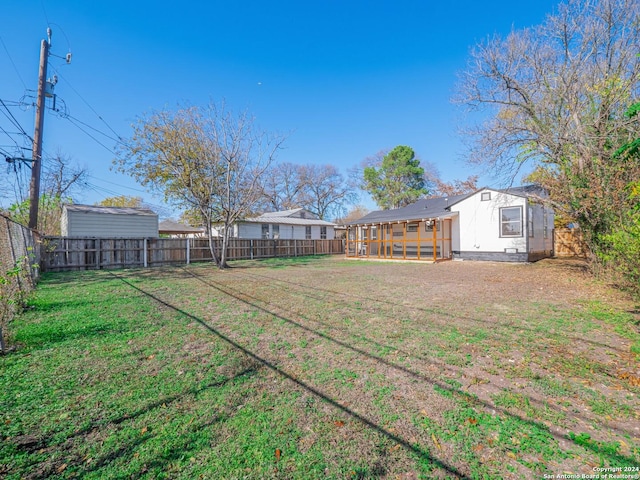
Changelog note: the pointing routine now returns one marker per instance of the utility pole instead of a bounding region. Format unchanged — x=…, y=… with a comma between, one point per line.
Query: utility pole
x=34, y=186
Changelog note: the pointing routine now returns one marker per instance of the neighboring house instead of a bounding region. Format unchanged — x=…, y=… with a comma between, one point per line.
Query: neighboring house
x=296, y=224
x=108, y=222
x=174, y=229
x=502, y=225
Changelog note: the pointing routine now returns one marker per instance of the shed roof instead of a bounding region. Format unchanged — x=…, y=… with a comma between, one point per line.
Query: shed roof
x=75, y=207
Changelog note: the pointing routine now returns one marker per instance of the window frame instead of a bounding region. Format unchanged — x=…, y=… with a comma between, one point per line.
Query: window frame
x=485, y=196
x=275, y=231
x=520, y=232
x=265, y=232
x=307, y=232
x=323, y=232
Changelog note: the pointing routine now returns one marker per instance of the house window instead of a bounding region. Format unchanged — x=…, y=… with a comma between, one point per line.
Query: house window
x=323, y=233
x=374, y=233
x=545, y=224
x=265, y=230
x=485, y=196
x=530, y=222
x=412, y=227
x=307, y=232
x=275, y=231
x=511, y=222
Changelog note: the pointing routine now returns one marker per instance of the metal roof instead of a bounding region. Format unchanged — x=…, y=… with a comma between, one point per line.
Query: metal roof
x=286, y=217
x=267, y=218
x=75, y=207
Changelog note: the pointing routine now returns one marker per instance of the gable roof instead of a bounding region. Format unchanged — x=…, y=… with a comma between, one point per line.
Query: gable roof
x=422, y=209
x=76, y=207
x=171, y=226
x=289, y=217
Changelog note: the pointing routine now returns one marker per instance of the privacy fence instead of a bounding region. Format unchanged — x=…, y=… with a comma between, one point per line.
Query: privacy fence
x=19, y=257
x=69, y=253
x=568, y=242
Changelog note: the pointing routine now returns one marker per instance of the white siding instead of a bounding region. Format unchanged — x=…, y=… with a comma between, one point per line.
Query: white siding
x=90, y=224
x=477, y=228
x=287, y=232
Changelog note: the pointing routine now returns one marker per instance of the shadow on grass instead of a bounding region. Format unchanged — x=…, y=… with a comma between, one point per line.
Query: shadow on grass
x=614, y=459
x=266, y=363
x=437, y=311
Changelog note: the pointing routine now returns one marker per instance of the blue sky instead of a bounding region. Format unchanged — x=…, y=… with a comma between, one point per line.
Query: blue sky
x=343, y=79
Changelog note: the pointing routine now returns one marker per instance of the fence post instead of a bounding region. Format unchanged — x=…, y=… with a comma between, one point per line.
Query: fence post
x=251, y=249
x=295, y=247
x=144, y=243
x=188, y=250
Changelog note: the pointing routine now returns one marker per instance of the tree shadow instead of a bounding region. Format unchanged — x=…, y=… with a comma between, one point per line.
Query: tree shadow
x=405, y=444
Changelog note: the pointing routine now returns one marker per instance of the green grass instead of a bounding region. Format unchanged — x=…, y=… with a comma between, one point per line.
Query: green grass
x=195, y=373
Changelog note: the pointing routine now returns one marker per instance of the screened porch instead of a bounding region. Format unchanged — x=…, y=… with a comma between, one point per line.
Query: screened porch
x=427, y=240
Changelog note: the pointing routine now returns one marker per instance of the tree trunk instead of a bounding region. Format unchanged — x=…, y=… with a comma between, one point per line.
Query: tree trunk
x=212, y=249
x=225, y=244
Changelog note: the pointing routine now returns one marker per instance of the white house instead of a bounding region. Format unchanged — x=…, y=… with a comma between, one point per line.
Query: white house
x=488, y=224
x=108, y=222
x=296, y=224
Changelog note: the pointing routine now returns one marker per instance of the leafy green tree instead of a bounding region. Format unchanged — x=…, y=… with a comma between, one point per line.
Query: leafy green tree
x=398, y=181
x=622, y=252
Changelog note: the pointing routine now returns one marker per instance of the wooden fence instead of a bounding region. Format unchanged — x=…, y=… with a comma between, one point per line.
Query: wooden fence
x=73, y=253
x=568, y=242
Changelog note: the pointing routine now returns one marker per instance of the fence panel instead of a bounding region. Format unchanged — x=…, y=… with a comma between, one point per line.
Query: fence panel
x=69, y=253
x=568, y=242
x=19, y=260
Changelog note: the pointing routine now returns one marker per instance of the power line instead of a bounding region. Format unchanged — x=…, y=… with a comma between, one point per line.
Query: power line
x=90, y=136
x=90, y=107
x=118, y=184
x=14, y=121
x=117, y=140
x=12, y=63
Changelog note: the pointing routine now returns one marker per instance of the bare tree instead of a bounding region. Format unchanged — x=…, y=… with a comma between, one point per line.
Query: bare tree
x=62, y=179
x=205, y=159
x=324, y=191
x=556, y=95
x=282, y=187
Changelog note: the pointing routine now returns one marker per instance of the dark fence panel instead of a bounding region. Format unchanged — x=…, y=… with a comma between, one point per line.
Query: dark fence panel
x=70, y=253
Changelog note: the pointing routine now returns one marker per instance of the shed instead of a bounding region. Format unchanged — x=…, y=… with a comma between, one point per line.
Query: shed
x=108, y=222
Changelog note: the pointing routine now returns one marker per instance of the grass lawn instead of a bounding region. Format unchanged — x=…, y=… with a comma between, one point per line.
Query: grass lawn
x=322, y=368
